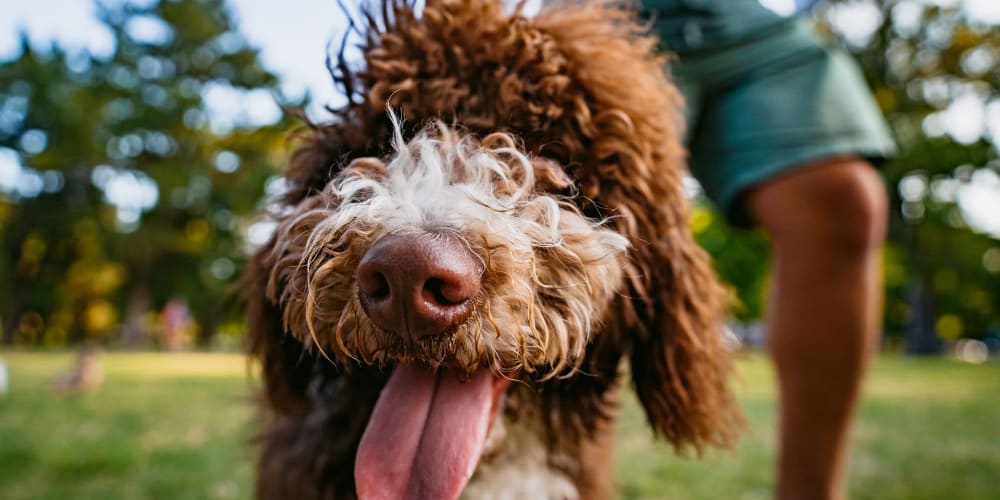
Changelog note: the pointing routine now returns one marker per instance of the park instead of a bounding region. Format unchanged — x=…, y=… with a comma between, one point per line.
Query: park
x=146, y=205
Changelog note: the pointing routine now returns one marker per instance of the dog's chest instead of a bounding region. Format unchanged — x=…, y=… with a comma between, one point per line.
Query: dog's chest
x=516, y=465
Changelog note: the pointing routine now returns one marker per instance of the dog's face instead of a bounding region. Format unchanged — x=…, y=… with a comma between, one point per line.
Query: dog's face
x=449, y=262
x=449, y=254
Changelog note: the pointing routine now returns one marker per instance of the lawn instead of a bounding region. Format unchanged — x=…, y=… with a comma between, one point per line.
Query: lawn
x=176, y=426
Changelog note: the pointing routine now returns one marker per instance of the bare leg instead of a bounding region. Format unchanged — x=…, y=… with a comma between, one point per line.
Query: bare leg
x=827, y=223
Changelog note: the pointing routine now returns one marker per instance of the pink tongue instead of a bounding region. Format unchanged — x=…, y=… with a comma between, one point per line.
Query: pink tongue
x=425, y=435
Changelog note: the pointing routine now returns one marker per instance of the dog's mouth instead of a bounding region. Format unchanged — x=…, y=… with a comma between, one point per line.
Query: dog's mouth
x=426, y=433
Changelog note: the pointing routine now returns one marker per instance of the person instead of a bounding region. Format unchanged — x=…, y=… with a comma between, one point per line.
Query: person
x=85, y=375
x=782, y=133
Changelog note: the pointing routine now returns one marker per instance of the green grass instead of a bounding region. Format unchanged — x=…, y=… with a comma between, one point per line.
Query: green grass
x=161, y=426
x=927, y=429
x=176, y=426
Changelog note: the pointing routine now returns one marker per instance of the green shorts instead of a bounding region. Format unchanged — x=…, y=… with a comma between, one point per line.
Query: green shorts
x=764, y=105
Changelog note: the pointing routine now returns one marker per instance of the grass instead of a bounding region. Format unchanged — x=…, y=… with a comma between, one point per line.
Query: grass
x=176, y=426
x=927, y=429
x=161, y=426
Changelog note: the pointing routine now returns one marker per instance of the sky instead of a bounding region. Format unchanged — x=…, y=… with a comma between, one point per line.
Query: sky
x=293, y=36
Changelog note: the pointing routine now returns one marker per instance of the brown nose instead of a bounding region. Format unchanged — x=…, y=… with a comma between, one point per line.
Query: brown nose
x=419, y=285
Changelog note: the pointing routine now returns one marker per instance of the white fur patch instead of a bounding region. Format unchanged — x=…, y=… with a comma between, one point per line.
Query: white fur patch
x=516, y=465
x=550, y=271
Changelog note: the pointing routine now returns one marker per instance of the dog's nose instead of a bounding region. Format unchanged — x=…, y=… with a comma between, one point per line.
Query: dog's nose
x=419, y=285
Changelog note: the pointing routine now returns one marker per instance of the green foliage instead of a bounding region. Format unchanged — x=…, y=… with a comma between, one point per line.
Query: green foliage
x=740, y=259
x=921, y=60
x=144, y=197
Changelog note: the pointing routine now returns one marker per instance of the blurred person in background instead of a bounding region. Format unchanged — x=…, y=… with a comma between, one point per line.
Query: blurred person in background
x=85, y=375
x=782, y=132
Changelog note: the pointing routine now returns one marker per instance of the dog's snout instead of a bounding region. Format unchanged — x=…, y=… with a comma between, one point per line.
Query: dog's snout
x=419, y=285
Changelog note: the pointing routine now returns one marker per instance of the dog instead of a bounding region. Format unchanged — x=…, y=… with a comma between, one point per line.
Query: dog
x=469, y=250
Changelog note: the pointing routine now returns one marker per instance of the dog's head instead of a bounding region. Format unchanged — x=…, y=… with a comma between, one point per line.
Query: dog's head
x=449, y=253
x=527, y=224
x=446, y=261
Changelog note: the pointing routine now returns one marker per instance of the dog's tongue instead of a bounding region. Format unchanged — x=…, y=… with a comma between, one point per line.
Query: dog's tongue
x=425, y=435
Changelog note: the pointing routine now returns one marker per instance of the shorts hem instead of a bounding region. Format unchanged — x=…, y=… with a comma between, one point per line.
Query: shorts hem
x=729, y=198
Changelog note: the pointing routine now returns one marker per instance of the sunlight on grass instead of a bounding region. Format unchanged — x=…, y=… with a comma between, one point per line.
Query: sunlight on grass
x=927, y=429
x=161, y=426
x=177, y=426
x=150, y=365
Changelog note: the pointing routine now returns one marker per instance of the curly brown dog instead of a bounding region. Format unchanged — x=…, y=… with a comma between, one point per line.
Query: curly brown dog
x=467, y=252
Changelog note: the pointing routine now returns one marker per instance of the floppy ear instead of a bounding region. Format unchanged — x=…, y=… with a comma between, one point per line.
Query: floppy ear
x=670, y=319
x=285, y=366
x=680, y=366
x=316, y=412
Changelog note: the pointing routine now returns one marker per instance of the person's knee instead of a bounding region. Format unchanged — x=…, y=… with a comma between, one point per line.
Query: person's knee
x=839, y=204
x=854, y=207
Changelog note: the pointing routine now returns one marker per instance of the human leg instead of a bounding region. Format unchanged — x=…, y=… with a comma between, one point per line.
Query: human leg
x=782, y=124
x=827, y=222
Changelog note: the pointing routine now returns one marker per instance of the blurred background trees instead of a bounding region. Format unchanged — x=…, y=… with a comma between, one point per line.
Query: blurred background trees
x=935, y=70
x=131, y=193
x=935, y=73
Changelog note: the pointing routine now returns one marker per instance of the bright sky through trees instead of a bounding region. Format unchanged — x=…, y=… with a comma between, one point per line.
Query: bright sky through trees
x=293, y=37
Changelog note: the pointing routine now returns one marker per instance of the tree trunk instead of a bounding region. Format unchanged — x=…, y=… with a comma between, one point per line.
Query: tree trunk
x=921, y=336
x=206, y=329
x=134, y=331
x=11, y=299
x=11, y=312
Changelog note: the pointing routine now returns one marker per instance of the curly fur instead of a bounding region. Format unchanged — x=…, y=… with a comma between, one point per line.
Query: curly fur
x=571, y=200
x=567, y=266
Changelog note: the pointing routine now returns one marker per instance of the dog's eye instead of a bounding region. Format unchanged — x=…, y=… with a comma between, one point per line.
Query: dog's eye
x=361, y=195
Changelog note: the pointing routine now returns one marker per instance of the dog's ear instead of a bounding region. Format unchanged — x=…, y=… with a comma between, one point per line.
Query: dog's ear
x=285, y=367
x=680, y=366
x=669, y=319
x=316, y=410
x=321, y=150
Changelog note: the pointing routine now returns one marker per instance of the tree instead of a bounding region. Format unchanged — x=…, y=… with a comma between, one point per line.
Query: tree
x=933, y=70
x=141, y=196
